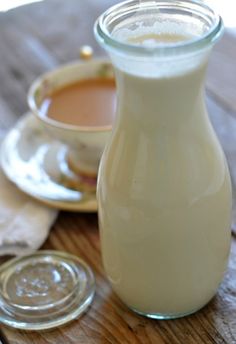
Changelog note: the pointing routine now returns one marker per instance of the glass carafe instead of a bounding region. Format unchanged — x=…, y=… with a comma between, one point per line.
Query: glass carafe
x=164, y=191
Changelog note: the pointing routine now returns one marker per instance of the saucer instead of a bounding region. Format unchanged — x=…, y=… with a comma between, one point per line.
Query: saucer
x=35, y=163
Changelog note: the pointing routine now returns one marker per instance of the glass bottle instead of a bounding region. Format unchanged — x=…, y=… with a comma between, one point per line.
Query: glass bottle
x=164, y=191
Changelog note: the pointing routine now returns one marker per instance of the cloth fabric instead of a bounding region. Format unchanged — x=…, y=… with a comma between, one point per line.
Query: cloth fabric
x=24, y=222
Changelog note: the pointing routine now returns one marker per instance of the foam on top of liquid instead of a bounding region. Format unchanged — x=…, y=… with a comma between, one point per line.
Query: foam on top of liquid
x=152, y=39
x=157, y=30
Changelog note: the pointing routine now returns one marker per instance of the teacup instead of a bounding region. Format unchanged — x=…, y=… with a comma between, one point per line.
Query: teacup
x=85, y=143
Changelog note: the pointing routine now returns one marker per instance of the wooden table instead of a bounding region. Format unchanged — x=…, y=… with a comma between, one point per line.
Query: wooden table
x=38, y=37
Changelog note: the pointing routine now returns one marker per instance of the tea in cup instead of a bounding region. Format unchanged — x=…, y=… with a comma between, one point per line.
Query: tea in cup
x=76, y=105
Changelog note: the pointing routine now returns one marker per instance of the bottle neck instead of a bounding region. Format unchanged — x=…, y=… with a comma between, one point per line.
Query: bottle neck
x=161, y=100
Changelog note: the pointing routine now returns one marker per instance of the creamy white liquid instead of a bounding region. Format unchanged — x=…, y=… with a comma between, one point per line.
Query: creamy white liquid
x=164, y=196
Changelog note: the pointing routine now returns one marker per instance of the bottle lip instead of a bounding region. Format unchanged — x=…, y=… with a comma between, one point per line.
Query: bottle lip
x=105, y=38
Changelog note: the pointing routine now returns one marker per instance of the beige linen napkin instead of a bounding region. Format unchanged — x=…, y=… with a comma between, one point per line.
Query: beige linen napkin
x=24, y=222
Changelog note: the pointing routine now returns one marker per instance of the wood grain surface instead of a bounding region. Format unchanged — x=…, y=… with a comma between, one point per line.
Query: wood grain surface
x=36, y=38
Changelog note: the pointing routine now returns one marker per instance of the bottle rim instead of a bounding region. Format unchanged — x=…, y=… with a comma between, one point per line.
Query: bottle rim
x=127, y=8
